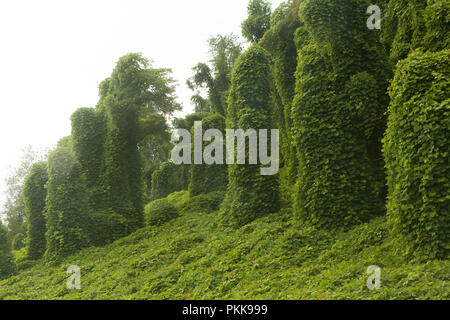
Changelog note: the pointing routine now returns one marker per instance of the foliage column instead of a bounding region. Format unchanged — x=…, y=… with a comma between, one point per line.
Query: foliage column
x=7, y=266
x=34, y=197
x=250, y=195
x=417, y=148
x=338, y=114
x=206, y=178
x=67, y=204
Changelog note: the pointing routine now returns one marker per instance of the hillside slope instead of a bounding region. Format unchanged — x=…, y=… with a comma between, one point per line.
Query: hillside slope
x=192, y=257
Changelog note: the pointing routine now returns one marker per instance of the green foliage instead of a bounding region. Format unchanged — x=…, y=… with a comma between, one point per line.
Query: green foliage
x=258, y=21
x=35, y=195
x=271, y=258
x=88, y=137
x=67, y=204
x=7, y=266
x=23, y=262
x=154, y=149
x=206, y=178
x=106, y=226
x=207, y=202
x=279, y=42
x=188, y=121
x=133, y=94
x=179, y=198
x=320, y=76
x=437, y=20
x=14, y=206
x=416, y=147
x=159, y=212
x=338, y=115
x=281, y=11
x=409, y=25
x=19, y=241
x=215, y=77
x=250, y=195
x=167, y=179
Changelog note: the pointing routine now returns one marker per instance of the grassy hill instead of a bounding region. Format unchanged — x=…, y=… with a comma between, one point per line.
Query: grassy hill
x=192, y=257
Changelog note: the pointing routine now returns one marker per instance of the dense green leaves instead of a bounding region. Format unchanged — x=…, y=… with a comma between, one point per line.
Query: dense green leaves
x=133, y=102
x=215, y=77
x=416, y=149
x=250, y=195
x=319, y=75
x=338, y=115
x=409, y=25
x=67, y=204
x=206, y=178
x=160, y=211
x=166, y=180
x=19, y=241
x=7, y=266
x=14, y=206
x=258, y=21
x=35, y=196
x=88, y=136
x=279, y=42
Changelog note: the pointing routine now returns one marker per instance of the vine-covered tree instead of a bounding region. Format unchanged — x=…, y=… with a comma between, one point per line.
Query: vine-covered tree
x=7, y=265
x=166, y=179
x=215, y=77
x=280, y=43
x=416, y=150
x=35, y=195
x=14, y=207
x=187, y=123
x=136, y=98
x=206, y=178
x=338, y=115
x=88, y=138
x=258, y=21
x=127, y=131
x=250, y=195
x=18, y=241
x=67, y=204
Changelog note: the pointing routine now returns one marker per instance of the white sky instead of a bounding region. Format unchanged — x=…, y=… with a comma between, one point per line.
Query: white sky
x=53, y=55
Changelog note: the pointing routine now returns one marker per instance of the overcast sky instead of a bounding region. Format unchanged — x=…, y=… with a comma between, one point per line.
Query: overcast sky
x=53, y=55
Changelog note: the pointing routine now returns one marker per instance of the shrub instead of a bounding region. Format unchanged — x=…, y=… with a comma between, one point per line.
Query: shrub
x=205, y=203
x=23, y=262
x=159, y=212
x=34, y=193
x=178, y=198
x=7, y=266
x=18, y=241
x=416, y=148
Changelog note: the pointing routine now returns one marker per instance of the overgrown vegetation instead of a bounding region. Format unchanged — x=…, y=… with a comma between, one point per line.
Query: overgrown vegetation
x=314, y=71
x=35, y=196
x=7, y=266
x=274, y=257
x=417, y=148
